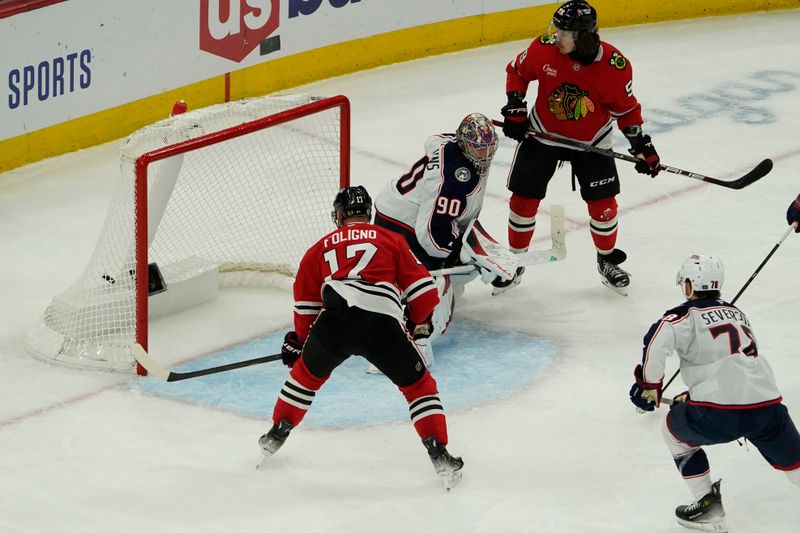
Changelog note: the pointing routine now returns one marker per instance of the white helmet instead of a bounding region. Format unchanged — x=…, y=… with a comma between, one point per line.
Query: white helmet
x=705, y=272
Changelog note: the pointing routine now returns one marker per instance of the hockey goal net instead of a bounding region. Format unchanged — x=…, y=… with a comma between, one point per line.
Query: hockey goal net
x=233, y=193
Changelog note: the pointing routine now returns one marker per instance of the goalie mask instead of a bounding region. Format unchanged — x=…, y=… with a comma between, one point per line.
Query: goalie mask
x=704, y=272
x=478, y=140
x=351, y=202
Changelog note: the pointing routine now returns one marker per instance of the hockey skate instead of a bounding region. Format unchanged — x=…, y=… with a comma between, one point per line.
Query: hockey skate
x=614, y=277
x=706, y=514
x=447, y=467
x=272, y=440
x=499, y=286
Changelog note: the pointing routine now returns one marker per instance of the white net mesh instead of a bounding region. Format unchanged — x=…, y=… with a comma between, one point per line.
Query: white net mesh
x=246, y=207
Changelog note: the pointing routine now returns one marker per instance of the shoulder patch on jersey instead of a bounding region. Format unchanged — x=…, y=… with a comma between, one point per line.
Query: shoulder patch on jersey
x=676, y=313
x=618, y=61
x=547, y=39
x=463, y=174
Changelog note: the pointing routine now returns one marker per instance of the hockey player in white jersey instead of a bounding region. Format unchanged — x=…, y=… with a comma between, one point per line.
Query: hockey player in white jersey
x=732, y=391
x=436, y=201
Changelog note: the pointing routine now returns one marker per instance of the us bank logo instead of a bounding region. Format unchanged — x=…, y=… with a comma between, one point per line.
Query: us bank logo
x=234, y=28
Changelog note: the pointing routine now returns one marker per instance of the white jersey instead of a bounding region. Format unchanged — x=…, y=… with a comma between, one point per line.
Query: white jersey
x=434, y=202
x=718, y=354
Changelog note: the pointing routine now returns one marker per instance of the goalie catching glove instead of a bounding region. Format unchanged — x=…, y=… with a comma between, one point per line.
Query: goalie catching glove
x=292, y=349
x=492, y=259
x=645, y=396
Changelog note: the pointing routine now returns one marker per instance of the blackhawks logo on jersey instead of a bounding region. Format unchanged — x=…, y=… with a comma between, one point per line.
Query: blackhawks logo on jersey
x=547, y=39
x=618, y=61
x=569, y=102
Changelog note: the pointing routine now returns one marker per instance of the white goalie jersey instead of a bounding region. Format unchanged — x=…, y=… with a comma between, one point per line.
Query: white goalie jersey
x=434, y=203
x=719, y=359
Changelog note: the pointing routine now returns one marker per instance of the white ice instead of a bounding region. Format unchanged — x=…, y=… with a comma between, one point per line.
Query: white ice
x=86, y=452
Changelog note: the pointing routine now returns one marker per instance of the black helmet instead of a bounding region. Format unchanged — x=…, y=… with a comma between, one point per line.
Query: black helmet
x=351, y=202
x=576, y=15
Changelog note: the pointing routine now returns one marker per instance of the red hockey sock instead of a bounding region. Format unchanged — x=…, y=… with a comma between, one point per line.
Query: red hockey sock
x=426, y=409
x=297, y=394
x=521, y=221
x=603, y=225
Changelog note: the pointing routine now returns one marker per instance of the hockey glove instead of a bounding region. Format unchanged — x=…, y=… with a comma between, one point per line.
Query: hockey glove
x=645, y=396
x=680, y=398
x=642, y=148
x=419, y=331
x=515, y=117
x=292, y=349
x=793, y=214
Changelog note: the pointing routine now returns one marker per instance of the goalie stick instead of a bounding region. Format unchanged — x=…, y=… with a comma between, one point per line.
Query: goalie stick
x=758, y=172
x=557, y=251
x=156, y=370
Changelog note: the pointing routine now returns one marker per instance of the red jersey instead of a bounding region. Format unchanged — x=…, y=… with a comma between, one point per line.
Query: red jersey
x=574, y=100
x=370, y=267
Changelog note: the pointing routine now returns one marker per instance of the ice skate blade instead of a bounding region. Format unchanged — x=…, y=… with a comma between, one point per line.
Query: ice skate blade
x=623, y=291
x=451, y=479
x=496, y=291
x=718, y=526
x=262, y=462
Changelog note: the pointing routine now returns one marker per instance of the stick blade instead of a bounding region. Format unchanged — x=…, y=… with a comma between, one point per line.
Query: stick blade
x=761, y=170
x=149, y=364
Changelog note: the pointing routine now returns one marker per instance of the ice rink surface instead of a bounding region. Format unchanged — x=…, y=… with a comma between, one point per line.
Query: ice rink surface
x=561, y=450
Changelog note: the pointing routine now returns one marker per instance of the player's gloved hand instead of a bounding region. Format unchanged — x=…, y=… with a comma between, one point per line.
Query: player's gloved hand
x=292, y=349
x=680, y=398
x=793, y=214
x=419, y=331
x=515, y=117
x=642, y=148
x=645, y=396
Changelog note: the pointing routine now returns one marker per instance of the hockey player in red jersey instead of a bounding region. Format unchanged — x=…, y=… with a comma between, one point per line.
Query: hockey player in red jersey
x=349, y=295
x=583, y=84
x=732, y=391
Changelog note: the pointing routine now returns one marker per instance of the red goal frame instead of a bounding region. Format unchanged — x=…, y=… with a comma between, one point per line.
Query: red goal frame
x=141, y=191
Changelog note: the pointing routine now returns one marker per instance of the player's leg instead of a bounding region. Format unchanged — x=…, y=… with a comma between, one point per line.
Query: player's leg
x=322, y=353
x=600, y=185
x=394, y=353
x=687, y=428
x=777, y=438
x=531, y=170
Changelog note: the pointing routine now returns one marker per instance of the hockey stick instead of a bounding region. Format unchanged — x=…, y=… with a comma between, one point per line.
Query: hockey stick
x=758, y=172
x=557, y=251
x=154, y=369
x=764, y=262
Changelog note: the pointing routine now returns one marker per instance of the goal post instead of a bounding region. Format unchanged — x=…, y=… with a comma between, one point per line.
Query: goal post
x=231, y=194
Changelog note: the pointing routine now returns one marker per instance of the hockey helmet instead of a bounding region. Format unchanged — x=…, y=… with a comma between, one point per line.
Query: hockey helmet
x=478, y=140
x=704, y=272
x=575, y=15
x=351, y=202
